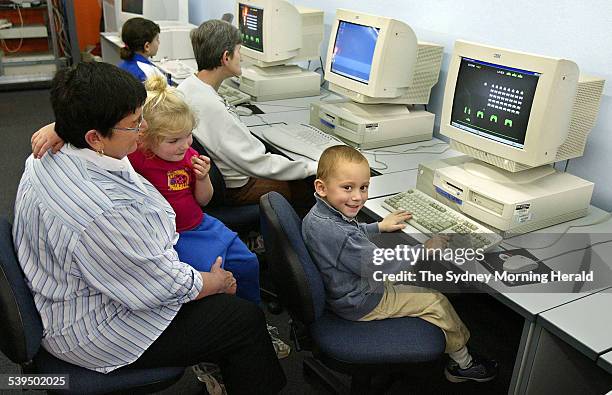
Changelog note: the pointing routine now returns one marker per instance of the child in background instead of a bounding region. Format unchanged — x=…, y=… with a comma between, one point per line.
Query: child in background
x=165, y=158
x=141, y=39
x=340, y=247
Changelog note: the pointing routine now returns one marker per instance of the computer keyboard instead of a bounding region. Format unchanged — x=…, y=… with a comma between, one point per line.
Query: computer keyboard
x=232, y=95
x=432, y=217
x=177, y=69
x=301, y=139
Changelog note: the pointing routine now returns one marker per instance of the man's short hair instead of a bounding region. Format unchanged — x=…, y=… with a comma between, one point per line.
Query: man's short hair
x=93, y=96
x=210, y=41
x=332, y=157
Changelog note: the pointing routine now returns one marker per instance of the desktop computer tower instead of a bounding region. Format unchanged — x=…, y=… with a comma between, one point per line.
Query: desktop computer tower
x=381, y=126
x=507, y=208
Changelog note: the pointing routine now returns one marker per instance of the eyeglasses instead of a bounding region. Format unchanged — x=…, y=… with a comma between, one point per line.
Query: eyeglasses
x=135, y=129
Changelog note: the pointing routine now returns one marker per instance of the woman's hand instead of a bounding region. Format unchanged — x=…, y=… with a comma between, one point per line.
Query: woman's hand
x=201, y=166
x=217, y=281
x=394, y=221
x=45, y=138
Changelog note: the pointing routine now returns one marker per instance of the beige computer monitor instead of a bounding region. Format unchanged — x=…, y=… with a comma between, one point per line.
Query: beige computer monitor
x=276, y=32
x=517, y=110
x=375, y=59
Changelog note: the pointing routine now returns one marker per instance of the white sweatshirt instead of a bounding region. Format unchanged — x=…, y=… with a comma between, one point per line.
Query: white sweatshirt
x=238, y=154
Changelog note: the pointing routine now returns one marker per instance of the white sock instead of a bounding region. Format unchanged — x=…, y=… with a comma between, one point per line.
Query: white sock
x=462, y=357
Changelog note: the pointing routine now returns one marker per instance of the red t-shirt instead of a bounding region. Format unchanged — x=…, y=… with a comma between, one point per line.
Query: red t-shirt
x=176, y=182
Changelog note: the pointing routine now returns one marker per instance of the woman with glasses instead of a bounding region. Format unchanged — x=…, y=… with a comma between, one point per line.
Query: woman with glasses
x=95, y=241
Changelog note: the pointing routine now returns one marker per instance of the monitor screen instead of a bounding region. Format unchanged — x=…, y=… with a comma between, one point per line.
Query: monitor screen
x=132, y=6
x=493, y=101
x=250, y=23
x=354, y=50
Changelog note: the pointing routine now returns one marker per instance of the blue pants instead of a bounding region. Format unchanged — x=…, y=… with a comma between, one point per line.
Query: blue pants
x=200, y=247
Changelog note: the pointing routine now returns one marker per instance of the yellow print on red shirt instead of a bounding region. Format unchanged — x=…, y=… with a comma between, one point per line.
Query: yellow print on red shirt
x=178, y=180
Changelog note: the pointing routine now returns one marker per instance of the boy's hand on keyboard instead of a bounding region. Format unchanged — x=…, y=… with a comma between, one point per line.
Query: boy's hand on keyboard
x=437, y=242
x=394, y=221
x=201, y=166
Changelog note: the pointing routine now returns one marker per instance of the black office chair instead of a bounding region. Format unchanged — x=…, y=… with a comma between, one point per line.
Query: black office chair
x=240, y=219
x=21, y=334
x=359, y=349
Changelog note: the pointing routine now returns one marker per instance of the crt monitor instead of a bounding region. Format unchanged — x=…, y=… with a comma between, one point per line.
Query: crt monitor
x=354, y=50
x=517, y=110
x=275, y=32
x=375, y=59
x=171, y=12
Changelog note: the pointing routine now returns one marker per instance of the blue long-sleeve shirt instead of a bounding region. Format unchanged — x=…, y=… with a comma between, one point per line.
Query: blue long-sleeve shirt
x=342, y=250
x=142, y=68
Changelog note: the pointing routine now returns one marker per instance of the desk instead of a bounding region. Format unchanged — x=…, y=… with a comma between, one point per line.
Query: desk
x=534, y=299
x=570, y=339
x=585, y=324
x=605, y=361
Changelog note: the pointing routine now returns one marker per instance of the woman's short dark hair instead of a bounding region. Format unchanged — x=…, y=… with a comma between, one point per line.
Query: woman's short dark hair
x=135, y=33
x=210, y=41
x=93, y=96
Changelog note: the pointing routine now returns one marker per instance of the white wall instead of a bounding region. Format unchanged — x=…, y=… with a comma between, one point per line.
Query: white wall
x=580, y=31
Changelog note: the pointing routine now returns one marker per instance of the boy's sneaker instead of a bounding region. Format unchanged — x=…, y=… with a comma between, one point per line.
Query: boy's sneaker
x=210, y=375
x=282, y=349
x=480, y=370
x=255, y=242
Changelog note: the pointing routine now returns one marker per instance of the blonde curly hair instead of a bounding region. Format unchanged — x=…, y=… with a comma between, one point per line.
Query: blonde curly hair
x=166, y=113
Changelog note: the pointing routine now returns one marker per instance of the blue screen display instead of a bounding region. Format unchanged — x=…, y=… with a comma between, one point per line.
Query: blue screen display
x=354, y=50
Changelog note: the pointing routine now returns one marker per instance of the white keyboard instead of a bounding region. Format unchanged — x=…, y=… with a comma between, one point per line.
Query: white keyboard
x=301, y=139
x=432, y=217
x=177, y=69
x=232, y=95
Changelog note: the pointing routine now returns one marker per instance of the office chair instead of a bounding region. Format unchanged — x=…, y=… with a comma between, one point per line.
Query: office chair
x=228, y=17
x=359, y=349
x=21, y=334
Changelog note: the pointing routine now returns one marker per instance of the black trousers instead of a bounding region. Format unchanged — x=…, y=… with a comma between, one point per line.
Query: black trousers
x=225, y=330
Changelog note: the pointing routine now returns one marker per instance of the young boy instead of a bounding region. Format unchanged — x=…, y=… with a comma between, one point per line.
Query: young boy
x=342, y=251
x=247, y=169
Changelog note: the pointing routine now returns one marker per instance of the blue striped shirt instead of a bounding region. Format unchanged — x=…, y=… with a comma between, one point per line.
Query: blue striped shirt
x=95, y=241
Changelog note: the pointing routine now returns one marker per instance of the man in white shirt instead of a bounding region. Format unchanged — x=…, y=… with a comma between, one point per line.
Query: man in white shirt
x=247, y=169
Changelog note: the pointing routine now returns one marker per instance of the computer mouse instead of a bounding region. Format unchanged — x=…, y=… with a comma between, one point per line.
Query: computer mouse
x=244, y=111
x=519, y=264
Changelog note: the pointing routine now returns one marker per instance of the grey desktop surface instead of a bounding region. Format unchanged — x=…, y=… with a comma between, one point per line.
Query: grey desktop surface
x=586, y=323
x=605, y=361
x=533, y=299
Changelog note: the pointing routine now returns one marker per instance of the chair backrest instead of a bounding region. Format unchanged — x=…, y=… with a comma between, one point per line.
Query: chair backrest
x=228, y=17
x=21, y=328
x=294, y=273
x=216, y=178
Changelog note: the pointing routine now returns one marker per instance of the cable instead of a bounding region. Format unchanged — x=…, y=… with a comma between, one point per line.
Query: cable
x=599, y=221
x=262, y=119
x=283, y=105
x=21, y=31
x=385, y=166
x=409, y=151
x=566, y=164
x=322, y=71
x=574, y=250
